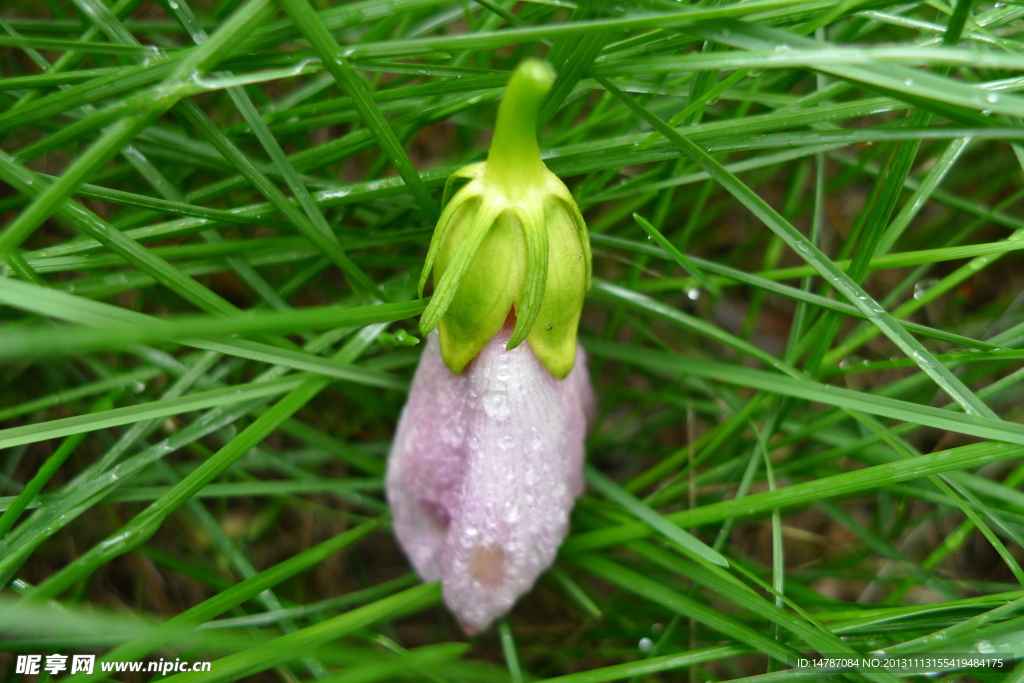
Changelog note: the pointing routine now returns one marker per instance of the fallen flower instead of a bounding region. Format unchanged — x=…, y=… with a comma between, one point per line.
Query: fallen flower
x=483, y=473
x=486, y=462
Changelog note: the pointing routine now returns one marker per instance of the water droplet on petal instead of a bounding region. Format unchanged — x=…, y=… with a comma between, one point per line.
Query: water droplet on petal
x=496, y=405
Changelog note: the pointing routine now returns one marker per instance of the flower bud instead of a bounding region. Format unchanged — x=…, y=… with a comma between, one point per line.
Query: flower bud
x=511, y=240
x=483, y=472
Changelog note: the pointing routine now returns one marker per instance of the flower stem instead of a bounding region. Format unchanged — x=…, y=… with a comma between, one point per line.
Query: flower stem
x=514, y=159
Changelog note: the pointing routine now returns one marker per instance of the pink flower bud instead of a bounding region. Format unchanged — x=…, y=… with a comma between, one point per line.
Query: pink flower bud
x=484, y=470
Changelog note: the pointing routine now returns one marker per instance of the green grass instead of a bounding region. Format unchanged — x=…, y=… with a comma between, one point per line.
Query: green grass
x=806, y=331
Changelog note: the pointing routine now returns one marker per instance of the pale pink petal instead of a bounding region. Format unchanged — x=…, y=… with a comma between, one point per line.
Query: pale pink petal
x=484, y=471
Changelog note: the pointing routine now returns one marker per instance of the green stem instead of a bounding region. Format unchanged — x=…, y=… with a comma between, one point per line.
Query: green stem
x=514, y=159
x=49, y=468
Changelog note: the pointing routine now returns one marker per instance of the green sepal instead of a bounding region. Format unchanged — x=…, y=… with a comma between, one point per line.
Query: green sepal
x=485, y=211
x=450, y=208
x=563, y=194
x=465, y=173
x=532, y=222
x=553, y=335
x=490, y=288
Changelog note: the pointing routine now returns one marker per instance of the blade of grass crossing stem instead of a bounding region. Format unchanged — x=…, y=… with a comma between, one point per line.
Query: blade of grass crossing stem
x=48, y=201
x=731, y=588
x=576, y=593
x=508, y=648
x=334, y=60
x=230, y=552
x=679, y=257
x=954, y=492
x=880, y=211
x=122, y=381
x=580, y=60
x=355, y=274
x=168, y=191
x=53, y=429
x=653, y=665
x=33, y=185
x=836, y=277
x=683, y=540
x=325, y=241
x=517, y=36
x=49, y=468
x=675, y=365
x=924, y=191
x=287, y=648
x=124, y=130
x=108, y=318
x=778, y=557
x=658, y=593
x=800, y=295
x=834, y=486
x=952, y=542
x=146, y=523
x=121, y=328
x=104, y=19
x=859, y=337
x=92, y=486
x=630, y=299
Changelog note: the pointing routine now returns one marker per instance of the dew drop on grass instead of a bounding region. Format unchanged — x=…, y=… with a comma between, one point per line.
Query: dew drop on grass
x=693, y=293
x=646, y=645
x=921, y=288
x=909, y=82
x=992, y=98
